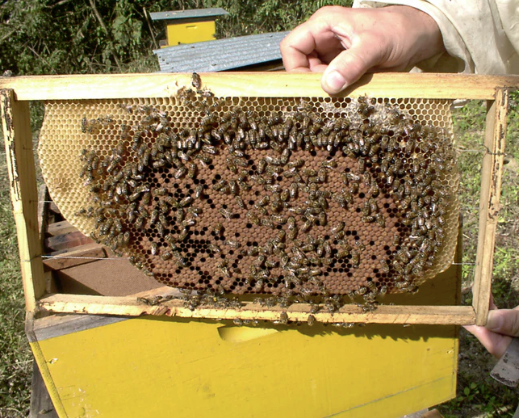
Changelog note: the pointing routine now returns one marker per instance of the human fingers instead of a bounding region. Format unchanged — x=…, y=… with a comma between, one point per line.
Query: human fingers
x=351, y=64
x=504, y=321
x=300, y=48
x=329, y=38
x=356, y=41
x=496, y=344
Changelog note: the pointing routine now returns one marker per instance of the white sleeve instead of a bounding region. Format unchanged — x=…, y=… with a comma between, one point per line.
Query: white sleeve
x=480, y=36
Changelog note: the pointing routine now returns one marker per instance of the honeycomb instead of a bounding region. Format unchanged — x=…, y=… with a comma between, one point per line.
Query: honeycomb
x=292, y=197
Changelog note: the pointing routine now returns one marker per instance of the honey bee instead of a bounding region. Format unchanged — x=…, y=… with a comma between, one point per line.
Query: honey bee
x=306, y=226
x=126, y=239
x=233, y=187
x=183, y=235
x=232, y=244
x=214, y=248
x=154, y=248
x=191, y=170
x=271, y=263
x=84, y=124
x=396, y=240
x=279, y=220
x=209, y=149
x=292, y=233
x=267, y=222
x=227, y=214
x=218, y=229
x=222, y=267
x=311, y=320
x=166, y=255
x=196, y=81
x=146, y=197
x=355, y=258
x=362, y=165
x=219, y=185
x=239, y=202
x=283, y=318
x=186, y=201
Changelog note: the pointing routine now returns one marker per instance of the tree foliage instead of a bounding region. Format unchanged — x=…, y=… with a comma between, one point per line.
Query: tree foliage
x=91, y=36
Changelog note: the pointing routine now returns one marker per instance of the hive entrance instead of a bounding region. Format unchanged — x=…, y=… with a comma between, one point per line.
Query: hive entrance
x=285, y=196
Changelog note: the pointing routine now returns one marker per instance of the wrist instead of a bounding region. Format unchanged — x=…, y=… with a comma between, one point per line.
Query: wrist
x=420, y=31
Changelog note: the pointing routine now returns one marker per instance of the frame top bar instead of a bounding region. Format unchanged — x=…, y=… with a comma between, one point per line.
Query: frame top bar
x=270, y=84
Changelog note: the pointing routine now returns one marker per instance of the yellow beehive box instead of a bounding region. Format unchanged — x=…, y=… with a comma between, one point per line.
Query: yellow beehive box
x=189, y=26
x=149, y=367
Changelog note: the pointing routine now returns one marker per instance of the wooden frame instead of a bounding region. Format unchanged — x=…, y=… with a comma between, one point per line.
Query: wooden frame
x=15, y=93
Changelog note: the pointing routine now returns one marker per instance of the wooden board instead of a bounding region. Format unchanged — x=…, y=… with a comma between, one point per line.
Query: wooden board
x=107, y=277
x=75, y=256
x=41, y=404
x=385, y=314
x=130, y=306
x=60, y=228
x=269, y=84
x=489, y=206
x=68, y=240
x=149, y=367
x=24, y=194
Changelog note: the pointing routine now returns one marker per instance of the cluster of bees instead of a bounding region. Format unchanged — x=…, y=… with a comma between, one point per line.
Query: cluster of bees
x=301, y=203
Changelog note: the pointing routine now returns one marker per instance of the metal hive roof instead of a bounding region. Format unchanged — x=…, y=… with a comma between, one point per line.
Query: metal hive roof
x=188, y=14
x=222, y=54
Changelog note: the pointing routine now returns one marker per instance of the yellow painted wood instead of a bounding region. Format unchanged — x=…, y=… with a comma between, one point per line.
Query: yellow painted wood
x=190, y=32
x=42, y=365
x=49, y=383
x=163, y=367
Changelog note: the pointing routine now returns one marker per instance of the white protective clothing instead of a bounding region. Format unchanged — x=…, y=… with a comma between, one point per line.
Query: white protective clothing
x=480, y=36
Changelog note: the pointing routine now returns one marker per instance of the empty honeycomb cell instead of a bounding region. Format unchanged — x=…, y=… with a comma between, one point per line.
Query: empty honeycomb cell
x=315, y=197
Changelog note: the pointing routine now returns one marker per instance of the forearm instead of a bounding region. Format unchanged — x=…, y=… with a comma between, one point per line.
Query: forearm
x=421, y=28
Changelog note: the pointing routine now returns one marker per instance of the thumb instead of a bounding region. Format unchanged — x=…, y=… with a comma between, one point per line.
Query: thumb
x=349, y=66
x=504, y=321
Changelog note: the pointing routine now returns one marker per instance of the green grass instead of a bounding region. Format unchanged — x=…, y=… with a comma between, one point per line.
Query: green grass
x=478, y=394
x=15, y=355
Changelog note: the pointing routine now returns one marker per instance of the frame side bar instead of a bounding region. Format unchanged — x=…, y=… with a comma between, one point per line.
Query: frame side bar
x=495, y=138
x=24, y=194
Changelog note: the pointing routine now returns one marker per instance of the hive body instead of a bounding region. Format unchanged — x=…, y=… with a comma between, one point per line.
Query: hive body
x=294, y=197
